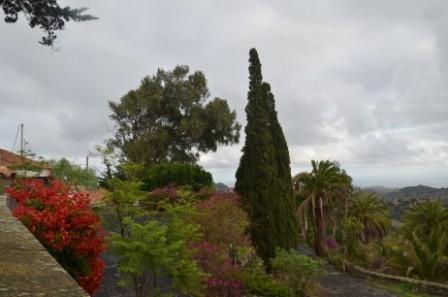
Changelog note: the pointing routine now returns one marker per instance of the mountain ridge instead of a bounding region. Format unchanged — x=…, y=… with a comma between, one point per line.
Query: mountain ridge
x=409, y=192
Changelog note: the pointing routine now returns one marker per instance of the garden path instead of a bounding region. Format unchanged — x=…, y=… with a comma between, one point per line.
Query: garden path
x=339, y=284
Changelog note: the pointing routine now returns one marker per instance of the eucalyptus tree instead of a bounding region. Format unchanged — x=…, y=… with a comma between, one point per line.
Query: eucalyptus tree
x=324, y=189
x=170, y=118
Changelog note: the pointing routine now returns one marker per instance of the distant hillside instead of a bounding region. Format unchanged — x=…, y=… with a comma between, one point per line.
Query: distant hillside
x=417, y=193
x=220, y=187
x=400, y=199
x=380, y=190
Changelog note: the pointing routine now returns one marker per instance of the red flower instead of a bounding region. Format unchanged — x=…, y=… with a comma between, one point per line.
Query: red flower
x=65, y=224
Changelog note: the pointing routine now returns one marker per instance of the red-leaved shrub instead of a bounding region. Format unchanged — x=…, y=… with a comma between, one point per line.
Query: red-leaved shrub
x=223, y=225
x=221, y=280
x=64, y=223
x=223, y=221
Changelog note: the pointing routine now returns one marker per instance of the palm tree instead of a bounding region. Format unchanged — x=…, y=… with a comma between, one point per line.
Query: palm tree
x=424, y=216
x=422, y=258
x=320, y=189
x=423, y=250
x=373, y=214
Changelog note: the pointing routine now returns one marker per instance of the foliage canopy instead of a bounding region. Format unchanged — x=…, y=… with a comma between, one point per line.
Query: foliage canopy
x=48, y=15
x=298, y=272
x=158, y=248
x=73, y=175
x=177, y=174
x=170, y=118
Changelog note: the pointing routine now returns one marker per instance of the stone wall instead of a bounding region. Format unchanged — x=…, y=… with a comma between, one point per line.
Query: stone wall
x=26, y=267
x=419, y=285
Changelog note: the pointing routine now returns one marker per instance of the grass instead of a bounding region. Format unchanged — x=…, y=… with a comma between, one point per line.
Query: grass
x=402, y=290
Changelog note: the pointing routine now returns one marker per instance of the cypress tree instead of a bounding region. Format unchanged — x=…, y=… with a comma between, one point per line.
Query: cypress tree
x=263, y=178
x=284, y=204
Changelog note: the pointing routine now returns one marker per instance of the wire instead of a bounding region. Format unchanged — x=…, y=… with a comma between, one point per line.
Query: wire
x=15, y=140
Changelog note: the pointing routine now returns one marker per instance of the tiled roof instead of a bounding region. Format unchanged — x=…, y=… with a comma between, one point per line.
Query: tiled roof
x=5, y=171
x=96, y=197
x=9, y=159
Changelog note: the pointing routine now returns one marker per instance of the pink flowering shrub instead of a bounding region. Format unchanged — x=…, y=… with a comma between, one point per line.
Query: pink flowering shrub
x=331, y=243
x=221, y=280
x=223, y=225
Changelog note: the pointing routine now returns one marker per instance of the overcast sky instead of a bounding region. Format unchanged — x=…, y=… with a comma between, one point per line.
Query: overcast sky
x=361, y=82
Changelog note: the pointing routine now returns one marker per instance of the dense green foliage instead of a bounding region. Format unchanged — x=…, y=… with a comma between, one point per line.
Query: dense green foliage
x=123, y=198
x=169, y=119
x=421, y=250
x=299, y=273
x=74, y=175
x=259, y=283
x=159, y=248
x=423, y=217
x=210, y=242
x=373, y=213
x=177, y=174
x=360, y=222
x=418, y=248
x=263, y=176
x=284, y=205
x=48, y=15
x=351, y=229
x=421, y=258
x=151, y=245
x=293, y=275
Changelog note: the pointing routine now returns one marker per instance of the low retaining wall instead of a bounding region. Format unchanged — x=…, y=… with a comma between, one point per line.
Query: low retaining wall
x=419, y=285
x=26, y=267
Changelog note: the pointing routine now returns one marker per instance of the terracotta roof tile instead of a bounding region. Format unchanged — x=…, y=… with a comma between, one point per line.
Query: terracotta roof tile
x=96, y=197
x=9, y=159
x=5, y=172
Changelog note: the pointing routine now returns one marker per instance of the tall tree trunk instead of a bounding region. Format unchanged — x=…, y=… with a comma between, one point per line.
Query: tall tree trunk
x=320, y=244
x=366, y=232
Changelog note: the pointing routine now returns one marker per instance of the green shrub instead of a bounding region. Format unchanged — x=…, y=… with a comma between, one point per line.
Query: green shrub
x=351, y=233
x=337, y=261
x=298, y=272
x=259, y=283
x=177, y=174
x=374, y=255
x=74, y=175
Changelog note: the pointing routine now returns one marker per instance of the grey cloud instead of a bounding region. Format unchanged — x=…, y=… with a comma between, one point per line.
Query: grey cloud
x=364, y=82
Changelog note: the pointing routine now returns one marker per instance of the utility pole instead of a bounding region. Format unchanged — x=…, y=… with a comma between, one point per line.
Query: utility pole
x=22, y=141
x=87, y=163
